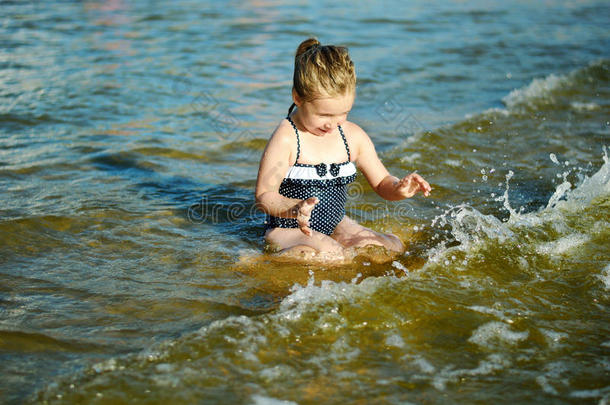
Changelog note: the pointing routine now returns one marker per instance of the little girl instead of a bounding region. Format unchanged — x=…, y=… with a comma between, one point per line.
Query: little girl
x=312, y=157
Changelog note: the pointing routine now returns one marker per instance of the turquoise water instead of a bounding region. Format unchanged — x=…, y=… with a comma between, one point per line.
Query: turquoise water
x=130, y=133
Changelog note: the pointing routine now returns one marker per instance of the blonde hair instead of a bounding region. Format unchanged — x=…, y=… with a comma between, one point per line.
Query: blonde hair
x=322, y=71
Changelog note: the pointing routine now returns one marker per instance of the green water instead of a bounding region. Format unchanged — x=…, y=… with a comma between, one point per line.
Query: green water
x=131, y=255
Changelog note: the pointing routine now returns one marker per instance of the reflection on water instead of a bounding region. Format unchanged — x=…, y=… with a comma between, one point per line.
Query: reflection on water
x=130, y=250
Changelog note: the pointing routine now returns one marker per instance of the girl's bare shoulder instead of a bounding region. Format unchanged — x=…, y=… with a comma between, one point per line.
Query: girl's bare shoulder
x=355, y=135
x=283, y=134
x=282, y=144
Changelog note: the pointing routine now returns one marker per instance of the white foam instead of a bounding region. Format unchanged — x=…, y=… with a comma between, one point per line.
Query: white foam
x=597, y=393
x=164, y=368
x=106, y=366
x=395, y=340
x=491, y=311
x=594, y=186
x=537, y=89
x=495, y=111
x=454, y=163
x=400, y=266
x=543, y=382
x=554, y=338
x=605, y=277
x=578, y=106
x=424, y=365
x=469, y=226
x=491, y=333
x=263, y=400
x=277, y=372
x=166, y=380
x=563, y=245
x=341, y=349
x=413, y=157
x=553, y=374
x=492, y=364
x=303, y=298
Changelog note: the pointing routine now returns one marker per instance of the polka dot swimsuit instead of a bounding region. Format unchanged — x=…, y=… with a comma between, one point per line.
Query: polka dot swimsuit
x=328, y=182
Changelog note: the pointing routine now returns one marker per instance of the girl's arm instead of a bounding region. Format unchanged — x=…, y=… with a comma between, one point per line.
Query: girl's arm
x=387, y=186
x=274, y=165
x=394, y=189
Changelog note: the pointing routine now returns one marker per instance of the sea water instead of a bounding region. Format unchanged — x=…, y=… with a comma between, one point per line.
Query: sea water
x=130, y=249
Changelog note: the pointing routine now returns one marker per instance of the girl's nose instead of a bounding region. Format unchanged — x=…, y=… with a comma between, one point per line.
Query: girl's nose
x=328, y=125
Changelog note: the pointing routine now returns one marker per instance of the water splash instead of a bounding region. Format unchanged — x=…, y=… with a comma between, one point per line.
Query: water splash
x=547, y=232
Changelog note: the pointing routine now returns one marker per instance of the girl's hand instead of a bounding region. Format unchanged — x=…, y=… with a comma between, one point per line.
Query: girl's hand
x=411, y=184
x=303, y=211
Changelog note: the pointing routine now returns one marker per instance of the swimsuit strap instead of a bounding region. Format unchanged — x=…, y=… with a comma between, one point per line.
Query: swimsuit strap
x=345, y=143
x=291, y=108
x=298, y=141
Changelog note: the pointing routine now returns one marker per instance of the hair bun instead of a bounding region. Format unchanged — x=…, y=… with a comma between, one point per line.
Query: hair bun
x=306, y=46
x=322, y=71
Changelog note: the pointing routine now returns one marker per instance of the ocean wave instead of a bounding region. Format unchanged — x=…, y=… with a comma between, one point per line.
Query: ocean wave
x=538, y=90
x=560, y=90
x=488, y=298
x=487, y=301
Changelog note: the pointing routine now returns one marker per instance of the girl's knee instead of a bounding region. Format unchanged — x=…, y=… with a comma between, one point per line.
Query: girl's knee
x=394, y=243
x=300, y=251
x=327, y=253
x=387, y=241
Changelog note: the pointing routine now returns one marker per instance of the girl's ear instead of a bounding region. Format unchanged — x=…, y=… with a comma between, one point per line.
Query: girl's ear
x=295, y=98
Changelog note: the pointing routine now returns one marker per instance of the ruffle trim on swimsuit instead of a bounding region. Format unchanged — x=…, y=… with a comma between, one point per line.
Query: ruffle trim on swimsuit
x=337, y=181
x=321, y=171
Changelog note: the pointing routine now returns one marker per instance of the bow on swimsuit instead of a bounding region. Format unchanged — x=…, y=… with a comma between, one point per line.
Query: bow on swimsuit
x=328, y=182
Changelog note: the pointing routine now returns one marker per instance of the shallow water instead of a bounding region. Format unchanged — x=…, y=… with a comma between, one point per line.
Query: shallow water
x=130, y=248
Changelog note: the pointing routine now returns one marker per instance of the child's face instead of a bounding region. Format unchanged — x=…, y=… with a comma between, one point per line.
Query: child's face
x=321, y=116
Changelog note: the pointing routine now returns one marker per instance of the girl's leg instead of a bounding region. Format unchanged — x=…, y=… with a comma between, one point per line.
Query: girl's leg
x=351, y=234
x=292, y=242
